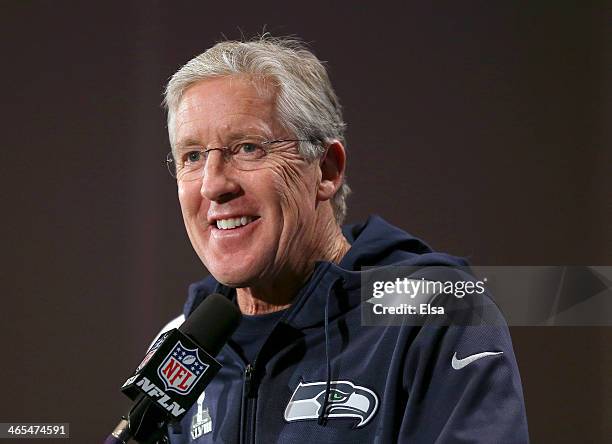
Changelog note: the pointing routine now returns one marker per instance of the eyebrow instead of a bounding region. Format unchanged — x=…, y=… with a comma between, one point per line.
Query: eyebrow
x=237, y=134
x=187, y=143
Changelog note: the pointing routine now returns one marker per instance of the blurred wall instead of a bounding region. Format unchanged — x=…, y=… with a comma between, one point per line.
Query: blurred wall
x=481, y=127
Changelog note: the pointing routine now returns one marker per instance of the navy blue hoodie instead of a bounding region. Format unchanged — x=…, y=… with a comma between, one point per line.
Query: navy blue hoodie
x=321, y=376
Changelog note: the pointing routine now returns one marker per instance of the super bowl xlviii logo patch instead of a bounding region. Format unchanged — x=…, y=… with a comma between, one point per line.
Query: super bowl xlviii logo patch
x=201, y=422
x=181, y=369
x=346, y=400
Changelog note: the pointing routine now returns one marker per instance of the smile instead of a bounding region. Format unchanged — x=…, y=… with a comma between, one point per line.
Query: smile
x=234, y=222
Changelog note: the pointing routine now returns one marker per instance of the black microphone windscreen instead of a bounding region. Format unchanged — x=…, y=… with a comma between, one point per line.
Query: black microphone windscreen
x=212, y=323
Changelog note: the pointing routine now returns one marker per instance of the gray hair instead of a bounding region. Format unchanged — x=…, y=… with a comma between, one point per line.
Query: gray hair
x=306, y=102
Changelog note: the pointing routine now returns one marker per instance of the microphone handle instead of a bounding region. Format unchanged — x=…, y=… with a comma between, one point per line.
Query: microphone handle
x=134, y=426
x=121, y=434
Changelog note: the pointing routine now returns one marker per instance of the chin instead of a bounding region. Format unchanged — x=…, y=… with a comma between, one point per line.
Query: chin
x=232, y=277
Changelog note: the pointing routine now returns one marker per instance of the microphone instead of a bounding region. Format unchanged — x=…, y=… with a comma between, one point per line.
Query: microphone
x=175, y=371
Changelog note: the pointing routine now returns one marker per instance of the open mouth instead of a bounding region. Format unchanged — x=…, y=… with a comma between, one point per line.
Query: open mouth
x=234, y=222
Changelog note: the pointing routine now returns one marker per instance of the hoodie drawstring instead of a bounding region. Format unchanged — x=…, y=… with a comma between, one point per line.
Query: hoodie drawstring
x=323, y=412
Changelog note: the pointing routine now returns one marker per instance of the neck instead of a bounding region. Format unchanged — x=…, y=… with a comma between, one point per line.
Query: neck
x=255, y=300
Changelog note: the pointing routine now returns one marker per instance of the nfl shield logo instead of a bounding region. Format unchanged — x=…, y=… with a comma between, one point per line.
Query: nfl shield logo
x=181, y=369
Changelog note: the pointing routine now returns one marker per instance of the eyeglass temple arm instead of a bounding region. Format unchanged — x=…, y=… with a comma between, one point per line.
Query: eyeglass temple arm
x=288, y=140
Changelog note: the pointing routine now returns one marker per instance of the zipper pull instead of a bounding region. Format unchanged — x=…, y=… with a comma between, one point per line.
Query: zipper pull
x=248, y=377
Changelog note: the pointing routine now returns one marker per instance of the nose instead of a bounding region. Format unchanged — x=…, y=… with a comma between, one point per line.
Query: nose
x=219, y=183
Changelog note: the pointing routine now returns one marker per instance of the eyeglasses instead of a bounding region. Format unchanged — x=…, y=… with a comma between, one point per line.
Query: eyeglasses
x=245, y=154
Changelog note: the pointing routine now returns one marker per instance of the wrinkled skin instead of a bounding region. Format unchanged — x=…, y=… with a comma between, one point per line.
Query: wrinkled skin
x=269, y=259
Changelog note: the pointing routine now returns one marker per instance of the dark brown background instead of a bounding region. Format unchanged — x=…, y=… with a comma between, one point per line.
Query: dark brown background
x=480, y=126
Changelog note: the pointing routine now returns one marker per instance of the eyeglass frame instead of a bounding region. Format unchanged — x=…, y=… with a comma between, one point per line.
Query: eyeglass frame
x=224, y=152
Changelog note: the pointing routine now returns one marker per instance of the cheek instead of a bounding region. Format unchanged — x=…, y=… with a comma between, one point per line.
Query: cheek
x=294, y=186
x=189, y=198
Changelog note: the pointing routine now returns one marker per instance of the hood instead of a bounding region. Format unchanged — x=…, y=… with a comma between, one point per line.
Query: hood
x=378, y=243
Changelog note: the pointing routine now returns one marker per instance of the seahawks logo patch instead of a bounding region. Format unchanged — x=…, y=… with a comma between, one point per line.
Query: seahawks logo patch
x=346, y=400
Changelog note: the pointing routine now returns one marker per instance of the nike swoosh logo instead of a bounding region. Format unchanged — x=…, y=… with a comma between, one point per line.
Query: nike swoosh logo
x=458, y=364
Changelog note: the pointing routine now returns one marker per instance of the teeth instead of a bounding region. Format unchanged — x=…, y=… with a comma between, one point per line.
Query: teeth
x=228, y=224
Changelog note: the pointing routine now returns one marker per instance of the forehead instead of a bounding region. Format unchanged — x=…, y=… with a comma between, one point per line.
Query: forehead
x=219, y=107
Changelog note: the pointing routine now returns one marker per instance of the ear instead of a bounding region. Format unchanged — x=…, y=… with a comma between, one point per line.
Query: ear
x=332, y=166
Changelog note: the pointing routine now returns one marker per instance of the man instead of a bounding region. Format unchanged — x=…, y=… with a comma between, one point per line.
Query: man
x=258, y=151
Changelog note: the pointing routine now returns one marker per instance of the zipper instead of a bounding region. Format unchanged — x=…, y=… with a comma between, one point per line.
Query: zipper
x=246, y=384
x=249, y=404
x=248, y=380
